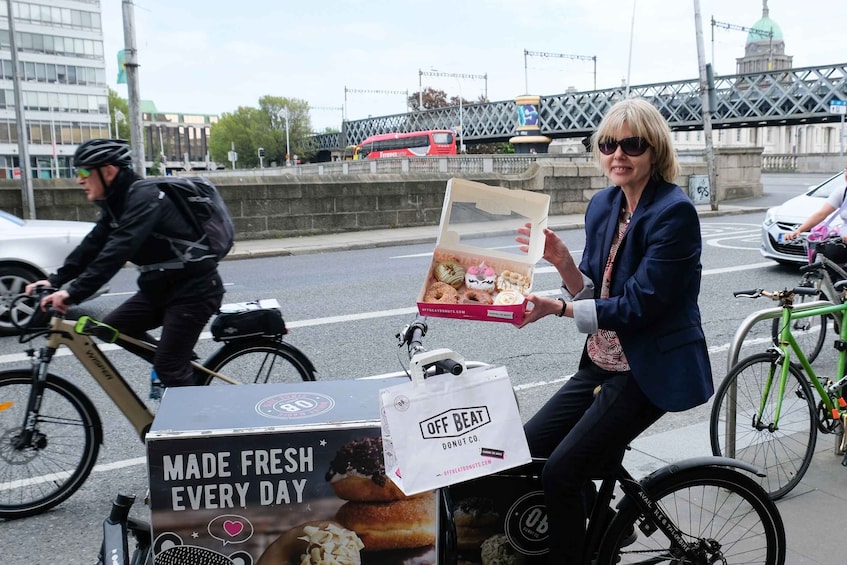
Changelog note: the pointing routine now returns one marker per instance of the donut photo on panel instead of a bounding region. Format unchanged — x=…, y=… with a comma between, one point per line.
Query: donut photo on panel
x=395, y=529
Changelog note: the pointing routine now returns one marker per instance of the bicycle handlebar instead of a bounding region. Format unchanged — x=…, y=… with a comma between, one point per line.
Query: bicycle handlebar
x=412, y=336
x=776, y=294
x=37, y=323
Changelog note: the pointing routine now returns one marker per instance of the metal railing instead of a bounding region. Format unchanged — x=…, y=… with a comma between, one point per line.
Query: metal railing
x=460, y=164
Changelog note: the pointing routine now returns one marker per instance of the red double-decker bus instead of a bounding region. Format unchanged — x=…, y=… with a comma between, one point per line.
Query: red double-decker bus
x=412, y=144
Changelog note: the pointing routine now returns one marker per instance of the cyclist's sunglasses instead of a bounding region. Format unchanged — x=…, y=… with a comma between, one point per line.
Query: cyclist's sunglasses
x=632, y=146
x=82, y=172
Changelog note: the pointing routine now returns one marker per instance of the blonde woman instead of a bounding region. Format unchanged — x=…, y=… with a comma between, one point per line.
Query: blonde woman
x=634, y=294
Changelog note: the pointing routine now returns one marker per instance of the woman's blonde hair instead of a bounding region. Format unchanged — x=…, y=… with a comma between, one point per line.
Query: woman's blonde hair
x=644, y=120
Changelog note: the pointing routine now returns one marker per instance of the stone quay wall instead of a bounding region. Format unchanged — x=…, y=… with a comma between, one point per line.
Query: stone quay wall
x=265, y=207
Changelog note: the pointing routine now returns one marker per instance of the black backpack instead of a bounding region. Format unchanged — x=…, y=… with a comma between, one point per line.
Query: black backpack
x=200, y=203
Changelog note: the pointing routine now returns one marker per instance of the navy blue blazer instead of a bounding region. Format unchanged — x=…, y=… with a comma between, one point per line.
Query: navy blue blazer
x=653, y=295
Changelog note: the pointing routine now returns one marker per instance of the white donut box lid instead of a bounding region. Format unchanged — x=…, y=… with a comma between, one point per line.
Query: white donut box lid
x=473, y=215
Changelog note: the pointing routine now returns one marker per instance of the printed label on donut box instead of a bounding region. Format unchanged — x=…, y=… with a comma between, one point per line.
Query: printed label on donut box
x=477, y=271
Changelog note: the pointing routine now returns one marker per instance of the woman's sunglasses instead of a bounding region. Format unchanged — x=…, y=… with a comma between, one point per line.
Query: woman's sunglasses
x=83, y=173
x=632, y=146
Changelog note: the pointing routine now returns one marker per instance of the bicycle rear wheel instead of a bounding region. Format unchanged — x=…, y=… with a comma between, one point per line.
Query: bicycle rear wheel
x=809, y=332
x=260, y=360
x=785, y=451
x=54, y=463
x=725, y=514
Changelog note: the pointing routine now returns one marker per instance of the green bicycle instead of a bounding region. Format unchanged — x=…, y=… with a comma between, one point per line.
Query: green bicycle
x=765, y=411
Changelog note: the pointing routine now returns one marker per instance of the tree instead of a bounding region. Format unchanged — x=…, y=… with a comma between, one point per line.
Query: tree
x=249, y=128
x=432, y=98
x=299, y=127
x=116, y=103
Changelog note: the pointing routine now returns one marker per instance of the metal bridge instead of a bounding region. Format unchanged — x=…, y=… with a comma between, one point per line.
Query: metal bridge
x=783, y=97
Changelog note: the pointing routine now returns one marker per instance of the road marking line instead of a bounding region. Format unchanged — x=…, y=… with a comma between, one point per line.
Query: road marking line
x=381, y=314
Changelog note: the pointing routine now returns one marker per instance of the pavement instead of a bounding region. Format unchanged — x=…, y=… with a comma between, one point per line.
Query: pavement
x=811, y=512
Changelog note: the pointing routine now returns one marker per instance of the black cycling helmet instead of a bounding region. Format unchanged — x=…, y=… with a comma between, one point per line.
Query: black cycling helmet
x=100, y=152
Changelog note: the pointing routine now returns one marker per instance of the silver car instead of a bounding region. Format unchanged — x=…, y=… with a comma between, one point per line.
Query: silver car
x=29, y=251
x=787, y=217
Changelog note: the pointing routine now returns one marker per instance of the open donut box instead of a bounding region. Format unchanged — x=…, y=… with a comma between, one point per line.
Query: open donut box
x=474, y=220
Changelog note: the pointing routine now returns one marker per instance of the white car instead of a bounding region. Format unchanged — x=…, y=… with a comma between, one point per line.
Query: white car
x=29, y=251
x=787, y=217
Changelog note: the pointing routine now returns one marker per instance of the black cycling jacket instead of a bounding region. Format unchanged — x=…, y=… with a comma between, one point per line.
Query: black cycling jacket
x=129, y=217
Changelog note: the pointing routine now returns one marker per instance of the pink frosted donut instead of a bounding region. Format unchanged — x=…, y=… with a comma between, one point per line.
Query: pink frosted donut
x=480, y=277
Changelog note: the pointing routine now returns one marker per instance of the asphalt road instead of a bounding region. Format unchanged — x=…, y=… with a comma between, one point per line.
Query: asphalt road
x=344, y=310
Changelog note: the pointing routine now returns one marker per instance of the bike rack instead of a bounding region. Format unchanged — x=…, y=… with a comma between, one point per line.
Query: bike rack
x=735, y=349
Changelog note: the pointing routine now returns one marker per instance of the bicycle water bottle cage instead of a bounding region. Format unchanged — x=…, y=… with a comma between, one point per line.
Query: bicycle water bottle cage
x=87, y=325
x=420, y=361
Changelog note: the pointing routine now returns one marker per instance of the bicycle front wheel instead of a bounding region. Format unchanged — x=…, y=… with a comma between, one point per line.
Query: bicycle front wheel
x=252, y=361
x=810, y=332
x=41, y=472
x=723, y=514
x=782, y=449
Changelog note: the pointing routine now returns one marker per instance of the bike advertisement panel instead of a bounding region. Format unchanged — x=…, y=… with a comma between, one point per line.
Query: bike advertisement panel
x=273, y=474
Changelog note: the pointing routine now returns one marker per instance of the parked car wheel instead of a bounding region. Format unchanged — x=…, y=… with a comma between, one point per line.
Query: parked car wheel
x=13, y=281
x=29, y=251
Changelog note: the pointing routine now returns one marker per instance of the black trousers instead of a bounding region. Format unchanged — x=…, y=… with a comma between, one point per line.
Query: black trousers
x=583, y=436
x=181, y=320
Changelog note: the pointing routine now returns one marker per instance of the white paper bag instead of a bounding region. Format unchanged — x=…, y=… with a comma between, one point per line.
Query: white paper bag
x=448, y=429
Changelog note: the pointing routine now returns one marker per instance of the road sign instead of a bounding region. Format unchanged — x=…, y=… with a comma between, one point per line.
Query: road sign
x=838, y=107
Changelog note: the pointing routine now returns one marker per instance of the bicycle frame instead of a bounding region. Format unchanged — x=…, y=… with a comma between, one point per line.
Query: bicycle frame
x=825, y=283
x=84, y=348
x=787, y=345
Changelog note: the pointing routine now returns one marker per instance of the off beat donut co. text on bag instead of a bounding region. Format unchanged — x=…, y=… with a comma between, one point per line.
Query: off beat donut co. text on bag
x=448, y=429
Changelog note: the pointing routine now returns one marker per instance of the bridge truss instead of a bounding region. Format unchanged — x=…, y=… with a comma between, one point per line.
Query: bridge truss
x=783, y=97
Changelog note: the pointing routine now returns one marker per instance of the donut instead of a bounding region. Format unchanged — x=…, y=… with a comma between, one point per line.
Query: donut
x=497, y=550
x=508, y=297
x=472, y=296
x=510, y=280
x=480, y=277
x=357, y=472
x=450, y=272
x=399, y=524
x=476, y=520
x=314, y=543
x=441, y=293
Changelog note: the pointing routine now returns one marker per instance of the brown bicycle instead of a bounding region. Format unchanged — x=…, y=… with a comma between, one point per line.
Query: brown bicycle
x=50, y=431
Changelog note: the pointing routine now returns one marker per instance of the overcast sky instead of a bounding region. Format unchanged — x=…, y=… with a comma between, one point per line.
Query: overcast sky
x=212, y=56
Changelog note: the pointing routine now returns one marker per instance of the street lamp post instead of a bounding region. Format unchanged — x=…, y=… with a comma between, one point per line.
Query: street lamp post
x=457, y=76
x=118, y=116
x=27, y=194
x=284, y=115
x=437, y=73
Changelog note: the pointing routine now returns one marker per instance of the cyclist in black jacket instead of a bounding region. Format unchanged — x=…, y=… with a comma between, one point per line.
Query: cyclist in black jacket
x=137, y=223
